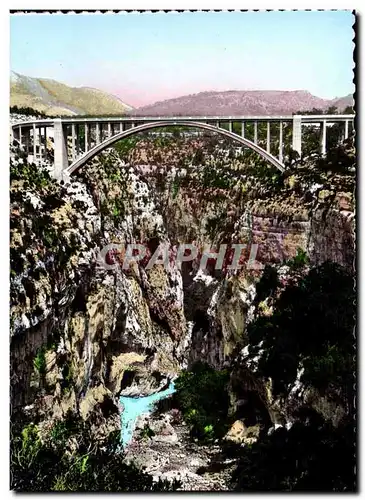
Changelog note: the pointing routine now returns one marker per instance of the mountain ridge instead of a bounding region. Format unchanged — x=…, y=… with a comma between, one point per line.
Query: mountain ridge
x=243, y=102
x=52, y=97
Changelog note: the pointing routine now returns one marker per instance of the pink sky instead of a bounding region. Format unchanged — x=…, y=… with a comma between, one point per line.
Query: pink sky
x=136, y=98
x=151, y=57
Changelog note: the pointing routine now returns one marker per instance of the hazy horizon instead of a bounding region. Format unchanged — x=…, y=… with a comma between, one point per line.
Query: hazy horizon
x=145, y=58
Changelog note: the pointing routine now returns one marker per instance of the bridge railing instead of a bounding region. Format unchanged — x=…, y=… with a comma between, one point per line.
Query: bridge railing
x=62, y=141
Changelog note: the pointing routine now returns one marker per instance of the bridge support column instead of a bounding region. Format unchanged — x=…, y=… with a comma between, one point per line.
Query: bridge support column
x=45, y=144
x=230, y=126
x=86, y=137
x=324, y=137
x=297, y=134
x=40, y=148
x=255, y=133
x=73, y=142
x=60, y=150
x=243, y=129
x=78, y=148
x=27, y=140
x=97, y=133
x=34, y=143
x=12, y=137
x=346, y=129
x=281, y=142
x=268, y=137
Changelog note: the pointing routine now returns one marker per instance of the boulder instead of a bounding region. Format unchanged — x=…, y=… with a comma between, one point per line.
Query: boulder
x=237, y=432
x=241, y=434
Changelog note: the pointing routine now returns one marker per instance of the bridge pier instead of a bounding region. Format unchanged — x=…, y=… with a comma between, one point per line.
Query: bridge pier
x=297, y=134
x=78, y=148
x=324, y=137
x=60, y=150
x=281, y=141
x=255, y=133
x=27, y=141
x=34, y=143
x=97, y=133
x=73, y=142
x=45, y=143
x=86, y=137
x=12, y=134
x=40, y=147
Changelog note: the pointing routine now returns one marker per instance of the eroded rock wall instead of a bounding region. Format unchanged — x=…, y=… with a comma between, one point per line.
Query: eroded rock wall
x=82, y=334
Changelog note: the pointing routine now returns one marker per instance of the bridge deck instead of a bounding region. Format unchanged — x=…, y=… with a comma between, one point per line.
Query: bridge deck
x=48, y=122
x=94, y=133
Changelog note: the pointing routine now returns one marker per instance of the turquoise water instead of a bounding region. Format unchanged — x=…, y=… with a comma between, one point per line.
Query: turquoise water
x=133, y=407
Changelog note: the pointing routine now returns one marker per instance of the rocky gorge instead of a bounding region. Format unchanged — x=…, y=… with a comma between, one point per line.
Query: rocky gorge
x=84, y=334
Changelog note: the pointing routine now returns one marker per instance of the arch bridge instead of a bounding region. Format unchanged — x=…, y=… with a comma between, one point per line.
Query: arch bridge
x=75, y=141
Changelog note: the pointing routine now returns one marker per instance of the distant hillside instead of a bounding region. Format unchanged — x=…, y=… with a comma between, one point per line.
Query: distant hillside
x=343, y=102
x=55, y=98
x=240, y=102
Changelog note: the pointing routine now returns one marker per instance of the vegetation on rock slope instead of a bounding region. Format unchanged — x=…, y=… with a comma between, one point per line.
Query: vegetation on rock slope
x=311, y=456
x=67, y=457
x=311, y=327
x=321, y=293
x=241, y=103
x=203, y=398
x=311, y=324
x=54, y=98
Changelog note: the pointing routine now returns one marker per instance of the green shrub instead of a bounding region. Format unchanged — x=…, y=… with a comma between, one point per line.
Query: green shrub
x=39, y=361
x=311, y=326
x=311, y=456
x=125, y=146
x=300, y=260
x=28, y=111
x=51, y=464
x=202, y=396
x=146, y=432
x=35, y=176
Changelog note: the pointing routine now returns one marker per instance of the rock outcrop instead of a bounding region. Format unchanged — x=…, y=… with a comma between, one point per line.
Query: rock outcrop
x=82, y=334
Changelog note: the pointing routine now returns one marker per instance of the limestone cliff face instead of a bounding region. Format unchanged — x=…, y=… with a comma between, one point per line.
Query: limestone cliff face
x=82, y=334
x=332, y=237
x=325, y=233
x=54, y=230
x=218, y=305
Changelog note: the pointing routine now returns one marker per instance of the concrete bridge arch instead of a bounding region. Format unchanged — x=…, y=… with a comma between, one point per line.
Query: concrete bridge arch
x=36, y=136
x=80, y=162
